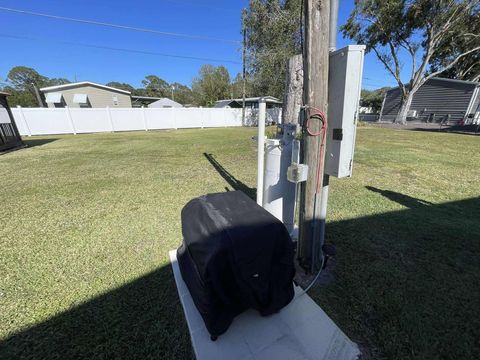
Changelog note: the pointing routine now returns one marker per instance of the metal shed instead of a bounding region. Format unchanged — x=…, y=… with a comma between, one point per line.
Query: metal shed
x=9, y=135
x=437, y=101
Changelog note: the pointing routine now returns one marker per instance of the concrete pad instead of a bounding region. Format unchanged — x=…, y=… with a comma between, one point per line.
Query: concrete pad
x=300, y=331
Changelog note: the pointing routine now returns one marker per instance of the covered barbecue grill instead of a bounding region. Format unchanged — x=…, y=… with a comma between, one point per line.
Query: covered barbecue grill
x=235, y=255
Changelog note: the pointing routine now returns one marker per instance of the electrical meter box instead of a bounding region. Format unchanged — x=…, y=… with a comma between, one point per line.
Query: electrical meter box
x=345, y=84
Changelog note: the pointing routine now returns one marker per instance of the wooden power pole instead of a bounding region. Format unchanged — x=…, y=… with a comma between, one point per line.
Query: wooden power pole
x=292, y=101
x=315, y=96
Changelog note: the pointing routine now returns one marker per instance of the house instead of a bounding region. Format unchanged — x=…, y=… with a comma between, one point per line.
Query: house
x=251, y=102
x=165, y=103
x=9, y=135
x=86, y=94
x=437, y=101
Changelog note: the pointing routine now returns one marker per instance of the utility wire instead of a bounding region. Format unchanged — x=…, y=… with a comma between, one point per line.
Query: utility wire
x=120, y=49
x=118, y=26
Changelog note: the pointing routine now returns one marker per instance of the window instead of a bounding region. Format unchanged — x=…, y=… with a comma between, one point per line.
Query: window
x=81, y=100
x=54, y=98
x=115, y=100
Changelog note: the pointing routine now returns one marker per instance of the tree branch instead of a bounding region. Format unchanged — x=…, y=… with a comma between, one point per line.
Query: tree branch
x=456, y=60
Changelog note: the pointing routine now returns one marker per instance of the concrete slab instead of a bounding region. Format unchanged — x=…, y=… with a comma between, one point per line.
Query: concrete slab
x=300, y=331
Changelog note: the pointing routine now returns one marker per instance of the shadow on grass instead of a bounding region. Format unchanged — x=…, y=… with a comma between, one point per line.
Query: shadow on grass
x=407, y=287
x=29, y=143
x=454, y=129
x=230, y=179
x=141, y=320
x=401, y=199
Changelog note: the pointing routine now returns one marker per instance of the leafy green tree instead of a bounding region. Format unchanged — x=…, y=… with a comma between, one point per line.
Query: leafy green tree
x=212, y=84
x=416, y=27
x=468, y=67
x=23, y=81
x=373, y=98
x=273, y=36
x=183, y=94
x=237, y=87
x=121, y=86
x=156, y=87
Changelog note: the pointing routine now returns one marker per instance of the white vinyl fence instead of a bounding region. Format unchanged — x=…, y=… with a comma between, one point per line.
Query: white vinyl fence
x=50, y=121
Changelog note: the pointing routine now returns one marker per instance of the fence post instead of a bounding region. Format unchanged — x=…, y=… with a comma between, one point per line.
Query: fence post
x=110, y=118
x=144, y=117
x=69, y=117
x=22, y=115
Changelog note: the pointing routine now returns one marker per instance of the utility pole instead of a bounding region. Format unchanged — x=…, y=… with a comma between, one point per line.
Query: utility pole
x=315, y=96
x=332, y=46
x=244, y=56
x=292, y=101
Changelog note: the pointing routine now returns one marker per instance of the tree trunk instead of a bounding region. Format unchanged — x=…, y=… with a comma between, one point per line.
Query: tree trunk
x=406, y=101
x=292, y=101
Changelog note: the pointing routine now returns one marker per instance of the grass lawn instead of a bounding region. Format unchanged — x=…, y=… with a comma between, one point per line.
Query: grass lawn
x=87, y=221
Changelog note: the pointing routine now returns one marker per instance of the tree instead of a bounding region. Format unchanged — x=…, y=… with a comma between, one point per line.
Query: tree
x=212, y=84
x=156, y=87
x=273, y=36
x=373, y=98
x=417, y=28
x=237, y=87
x=183, y=94
x=468, y=67
x=23, y=81
x=121, y=86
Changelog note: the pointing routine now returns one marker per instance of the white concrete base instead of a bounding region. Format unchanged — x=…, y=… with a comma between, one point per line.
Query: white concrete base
x=300, y=331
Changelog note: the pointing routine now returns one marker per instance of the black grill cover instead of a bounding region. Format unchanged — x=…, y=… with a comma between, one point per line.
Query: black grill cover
x=235, y=255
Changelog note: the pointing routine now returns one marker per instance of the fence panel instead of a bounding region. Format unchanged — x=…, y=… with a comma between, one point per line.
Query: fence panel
x=91, y=120
x=159, y=119
x=126, y=119
x=43, y=122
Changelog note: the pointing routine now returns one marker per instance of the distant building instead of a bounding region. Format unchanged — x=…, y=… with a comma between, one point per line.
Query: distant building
x=252, y=102
x=86, y=94
x=438, y=100
x=165, y=103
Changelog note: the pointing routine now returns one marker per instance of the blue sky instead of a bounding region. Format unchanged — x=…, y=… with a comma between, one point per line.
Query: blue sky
x=49, y=49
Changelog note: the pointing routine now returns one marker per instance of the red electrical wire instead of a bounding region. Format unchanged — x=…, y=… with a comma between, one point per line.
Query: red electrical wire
x=314, y=113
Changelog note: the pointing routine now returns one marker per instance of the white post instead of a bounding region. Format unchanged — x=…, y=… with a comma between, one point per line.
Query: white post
x=22, y=115
x=144, y=117
x=69, y=117
x=262, y=111
x=110, y=118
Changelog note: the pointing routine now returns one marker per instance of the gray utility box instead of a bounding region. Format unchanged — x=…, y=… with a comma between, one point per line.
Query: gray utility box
x=345, y=84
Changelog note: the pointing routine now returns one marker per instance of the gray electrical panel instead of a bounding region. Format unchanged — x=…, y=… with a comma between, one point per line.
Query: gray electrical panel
x=345, y=84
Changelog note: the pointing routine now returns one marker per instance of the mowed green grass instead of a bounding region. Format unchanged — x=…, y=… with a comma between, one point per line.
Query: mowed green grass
x=87, y=222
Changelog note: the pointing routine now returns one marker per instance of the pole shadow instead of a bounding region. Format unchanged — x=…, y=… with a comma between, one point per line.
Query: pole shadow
x=230, y=179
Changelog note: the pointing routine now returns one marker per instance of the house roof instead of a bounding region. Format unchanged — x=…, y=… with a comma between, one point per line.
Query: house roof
x=138, y=97
x=165, y=101
x=4, y=93
x=80, y=84
x=446, y=80
x=268, y=99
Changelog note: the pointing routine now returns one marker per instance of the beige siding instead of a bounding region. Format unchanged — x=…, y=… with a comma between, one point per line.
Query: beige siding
x=98, y=97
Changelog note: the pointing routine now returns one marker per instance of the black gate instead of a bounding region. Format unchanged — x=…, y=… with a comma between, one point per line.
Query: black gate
x=9, y=136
